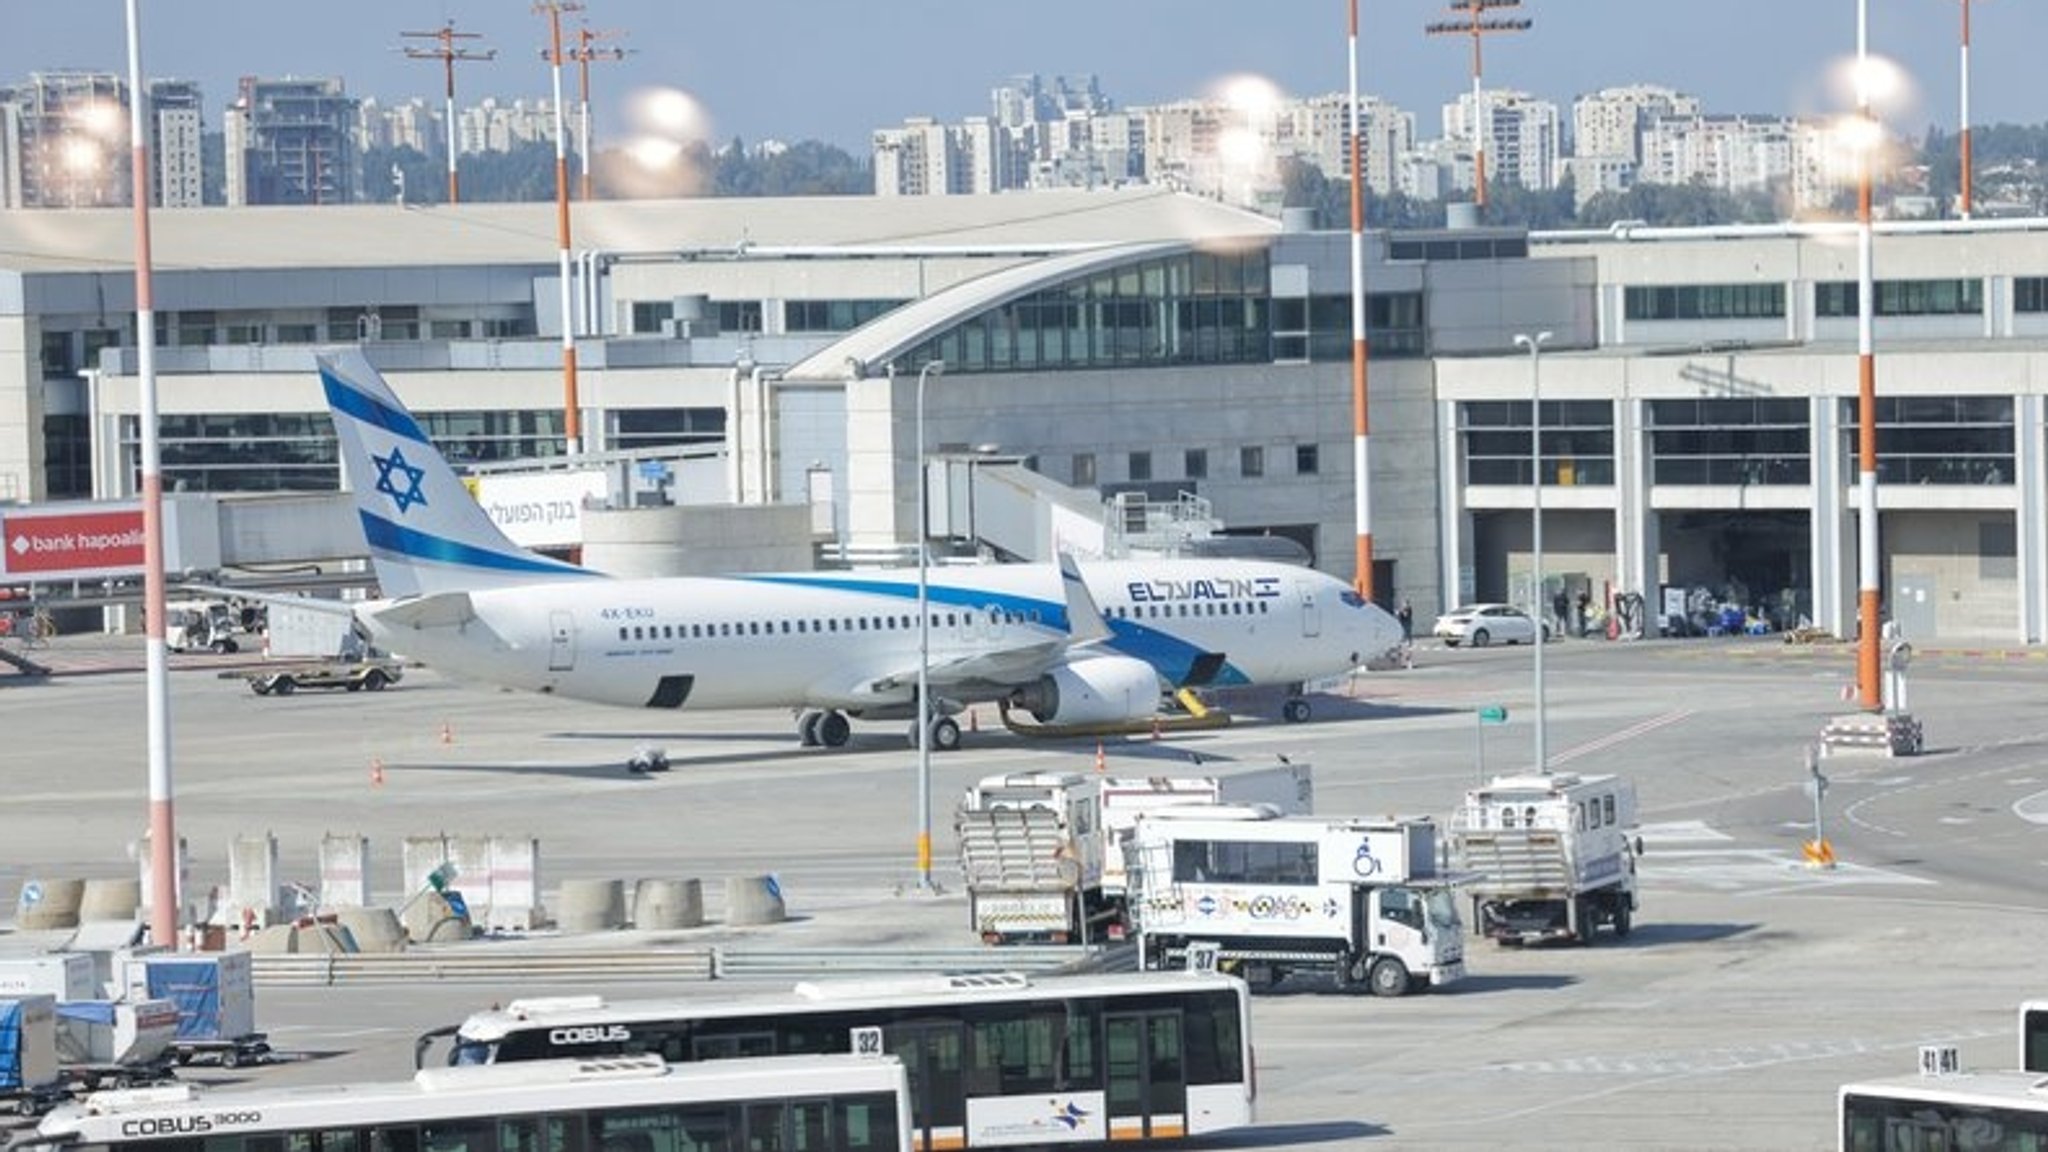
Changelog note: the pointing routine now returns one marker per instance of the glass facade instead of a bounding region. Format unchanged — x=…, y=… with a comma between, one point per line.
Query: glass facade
x=1578, y=442
x=1196, y=308
x=1318, y=328
x=295, y=452
x=1839, y=298
x=1704, y=302
x=834, y=315
x=1730, y=442
x=1936, y=439
x=666, y=427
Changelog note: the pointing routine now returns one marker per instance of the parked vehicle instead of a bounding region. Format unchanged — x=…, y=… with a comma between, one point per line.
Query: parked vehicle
x=1263, y=896
x=1042, y=852
x=1483, y=624
x=1554, y=856
x=357, y=676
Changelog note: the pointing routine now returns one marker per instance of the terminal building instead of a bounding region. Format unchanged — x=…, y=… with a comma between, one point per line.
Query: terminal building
x=1698, y=388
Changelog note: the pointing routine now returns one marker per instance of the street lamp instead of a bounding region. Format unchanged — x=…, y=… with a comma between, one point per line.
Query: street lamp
x=924, y=651
x=1535, y=346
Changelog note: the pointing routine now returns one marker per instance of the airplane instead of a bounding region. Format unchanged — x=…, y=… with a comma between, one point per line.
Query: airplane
x=1071, y=643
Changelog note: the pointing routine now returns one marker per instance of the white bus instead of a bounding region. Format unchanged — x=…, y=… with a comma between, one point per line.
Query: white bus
x=1965, y=1112
x=2034, y=1035
x=616, y=1104
x=993, y=1060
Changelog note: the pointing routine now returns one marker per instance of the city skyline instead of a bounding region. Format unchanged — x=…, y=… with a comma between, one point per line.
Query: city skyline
x=836, y=76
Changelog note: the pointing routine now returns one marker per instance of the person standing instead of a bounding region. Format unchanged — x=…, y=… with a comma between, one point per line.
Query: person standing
x=1406, y=615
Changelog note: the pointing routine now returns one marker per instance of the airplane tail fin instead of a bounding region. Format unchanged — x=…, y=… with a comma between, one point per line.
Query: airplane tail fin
x=426, y=533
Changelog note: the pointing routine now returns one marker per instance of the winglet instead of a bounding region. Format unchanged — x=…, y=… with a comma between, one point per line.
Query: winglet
x=1085, y=624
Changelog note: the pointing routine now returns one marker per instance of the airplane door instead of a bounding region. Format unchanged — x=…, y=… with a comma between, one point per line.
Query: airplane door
x=1311, y=614
x=561, y=641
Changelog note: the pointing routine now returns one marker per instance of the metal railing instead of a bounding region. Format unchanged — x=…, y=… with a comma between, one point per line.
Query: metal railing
x=469, y=964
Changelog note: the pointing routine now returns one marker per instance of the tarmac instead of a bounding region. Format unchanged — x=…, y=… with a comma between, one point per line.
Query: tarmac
x=1753, y=987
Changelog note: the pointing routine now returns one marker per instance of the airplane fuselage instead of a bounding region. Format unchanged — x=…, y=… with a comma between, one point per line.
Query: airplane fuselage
x=847, y=639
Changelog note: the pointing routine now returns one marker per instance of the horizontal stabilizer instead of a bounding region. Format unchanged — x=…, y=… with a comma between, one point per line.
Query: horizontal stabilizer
x=440, y=610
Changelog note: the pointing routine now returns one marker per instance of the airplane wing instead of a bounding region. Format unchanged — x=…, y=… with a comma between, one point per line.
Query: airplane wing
x=1018, y=664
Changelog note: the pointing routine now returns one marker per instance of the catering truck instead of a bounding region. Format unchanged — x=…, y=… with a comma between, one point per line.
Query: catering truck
x=1554, y=856
x=1041, y=852
x=1264, y=895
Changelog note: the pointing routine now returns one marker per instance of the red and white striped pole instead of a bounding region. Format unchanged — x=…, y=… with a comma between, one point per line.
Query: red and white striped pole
x=1361, y=425
x=1869, y=688
x=163, y=839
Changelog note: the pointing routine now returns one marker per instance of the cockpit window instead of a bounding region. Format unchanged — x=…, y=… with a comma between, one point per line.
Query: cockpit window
x=1351, y=599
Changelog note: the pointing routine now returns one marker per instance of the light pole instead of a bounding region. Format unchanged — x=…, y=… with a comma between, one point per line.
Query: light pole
x=924, y=652
x=1535, y=346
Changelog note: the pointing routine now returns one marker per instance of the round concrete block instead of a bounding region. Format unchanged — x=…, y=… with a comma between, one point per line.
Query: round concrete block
x=430, y=919
x=110, y=899
x=46, y=904
x=322, y=940
x=753, y=900
x=374, y=929
x=660, y=904
x=591, y=905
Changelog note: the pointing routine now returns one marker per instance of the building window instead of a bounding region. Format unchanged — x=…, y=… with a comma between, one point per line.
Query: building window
x=1084, y=470
x=739, y=315
x=1251, y=461
x=649, y=315
x=1141, y=465
x=1195, y=464
x=1393, y=326
x=1578, y=442
x=1838, y=298
x=2030, y=294
x=834, y=315
x=1704, y=302
x=1937, y=439
x=1738, y=442
x=1307, y=459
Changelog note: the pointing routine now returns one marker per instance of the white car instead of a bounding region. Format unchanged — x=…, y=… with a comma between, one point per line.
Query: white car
x=1484, y=624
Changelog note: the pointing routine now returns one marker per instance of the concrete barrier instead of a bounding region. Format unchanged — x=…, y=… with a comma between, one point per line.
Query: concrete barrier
x=430, y=919
x=374, y=929
x=591, y=905
x=665, y=904
x=754, y=900
x=46, y=904
x=115, y=898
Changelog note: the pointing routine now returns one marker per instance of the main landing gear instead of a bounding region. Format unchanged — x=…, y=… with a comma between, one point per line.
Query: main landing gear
x=818, y=728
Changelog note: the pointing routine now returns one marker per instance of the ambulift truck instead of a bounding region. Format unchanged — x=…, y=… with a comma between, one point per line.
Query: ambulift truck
x=1041, y=852
x=1554, y=854
x=1265, y=896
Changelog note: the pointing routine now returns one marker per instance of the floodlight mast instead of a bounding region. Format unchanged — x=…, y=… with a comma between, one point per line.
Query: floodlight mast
x=447, y=53
x=1471, y=20
x=583, y=53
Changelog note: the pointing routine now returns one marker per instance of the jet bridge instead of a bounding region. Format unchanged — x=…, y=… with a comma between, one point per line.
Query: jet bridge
x=996, y=503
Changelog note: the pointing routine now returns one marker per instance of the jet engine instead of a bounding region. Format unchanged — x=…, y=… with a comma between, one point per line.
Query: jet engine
x=1094, y=690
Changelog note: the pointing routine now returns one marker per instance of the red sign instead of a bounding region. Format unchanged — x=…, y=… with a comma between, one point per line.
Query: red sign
x=78, y=542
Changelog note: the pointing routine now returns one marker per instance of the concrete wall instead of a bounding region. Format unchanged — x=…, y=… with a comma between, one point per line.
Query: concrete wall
x=21, y=410
x=1968, y=595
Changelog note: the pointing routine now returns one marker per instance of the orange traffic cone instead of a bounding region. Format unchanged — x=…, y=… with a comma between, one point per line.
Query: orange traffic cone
x=376, y=773
x=447, y=733
x=1098, y=756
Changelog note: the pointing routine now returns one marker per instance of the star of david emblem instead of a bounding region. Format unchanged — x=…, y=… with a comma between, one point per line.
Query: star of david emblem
x=395, y=463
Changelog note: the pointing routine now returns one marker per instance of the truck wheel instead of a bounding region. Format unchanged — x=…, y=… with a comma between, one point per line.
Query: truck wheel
x=1622, y=923
x=283, y=685
x=260, y=687
x=375, y=680
x=231, y=1059
x=1388, y=977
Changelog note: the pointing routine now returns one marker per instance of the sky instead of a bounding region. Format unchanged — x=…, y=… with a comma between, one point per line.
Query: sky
x=834, y=70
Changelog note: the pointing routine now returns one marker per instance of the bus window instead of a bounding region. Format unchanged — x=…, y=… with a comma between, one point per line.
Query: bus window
x=458, y=1136
x=737, y=1044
